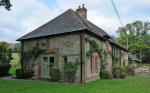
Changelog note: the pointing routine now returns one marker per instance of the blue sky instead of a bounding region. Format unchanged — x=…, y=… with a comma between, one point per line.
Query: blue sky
x=27, y=15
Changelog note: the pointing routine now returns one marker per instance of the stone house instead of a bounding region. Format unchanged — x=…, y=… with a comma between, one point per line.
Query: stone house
x=64, y=39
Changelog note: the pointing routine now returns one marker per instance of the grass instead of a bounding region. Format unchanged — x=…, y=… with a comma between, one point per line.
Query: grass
x=130, y=85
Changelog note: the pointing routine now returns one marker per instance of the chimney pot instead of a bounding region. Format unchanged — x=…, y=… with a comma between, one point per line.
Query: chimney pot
x=82, y=11
x=83, y=6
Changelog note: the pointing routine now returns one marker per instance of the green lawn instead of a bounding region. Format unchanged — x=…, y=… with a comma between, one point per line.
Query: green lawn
x=130, y=85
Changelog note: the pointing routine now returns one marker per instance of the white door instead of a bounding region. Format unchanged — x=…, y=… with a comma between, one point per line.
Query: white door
x=47, y=62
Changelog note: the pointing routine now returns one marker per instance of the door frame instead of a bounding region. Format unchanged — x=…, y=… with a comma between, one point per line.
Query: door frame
x=48, y=60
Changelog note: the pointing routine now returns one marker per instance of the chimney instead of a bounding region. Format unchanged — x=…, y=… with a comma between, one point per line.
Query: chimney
x=82, y=11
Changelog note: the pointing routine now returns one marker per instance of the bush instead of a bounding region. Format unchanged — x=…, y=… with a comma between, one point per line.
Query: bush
x=4, y=69
x=123, y=75
x=105, y=74
x=70, y=70
x=24, y=74
x=19, y=73
x=129, y=70
x=117, y=71
x=55, y=74
x=27, y=74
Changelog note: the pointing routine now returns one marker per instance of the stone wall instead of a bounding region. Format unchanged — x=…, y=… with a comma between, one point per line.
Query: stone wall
x=65, y=45
x=107, y=47
x=89, y=76
x=69, y=45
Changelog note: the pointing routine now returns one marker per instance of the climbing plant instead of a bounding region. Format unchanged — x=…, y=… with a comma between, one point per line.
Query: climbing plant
x=31, y=54
x=70, y=69
x=95, y=48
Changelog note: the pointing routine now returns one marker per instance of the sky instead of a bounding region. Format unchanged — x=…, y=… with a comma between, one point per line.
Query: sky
x=27, y=15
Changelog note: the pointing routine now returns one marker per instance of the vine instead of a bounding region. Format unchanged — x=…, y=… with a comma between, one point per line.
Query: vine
x=95, y=48
x=31, y=54
x=70, y=69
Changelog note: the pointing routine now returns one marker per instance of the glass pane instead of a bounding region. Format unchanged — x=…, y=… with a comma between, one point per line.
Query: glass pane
x=45, y=59
x=51, y=61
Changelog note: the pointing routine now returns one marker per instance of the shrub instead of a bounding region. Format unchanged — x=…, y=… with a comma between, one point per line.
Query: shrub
x=27, y=74
x=117, y=71
x=24, y=74
x=4, y=69
x=70, y=69
x=129, y=70
x=55, y=74
x=122, y=75
x=105, y=74
x=19, y=73
x=120, y=72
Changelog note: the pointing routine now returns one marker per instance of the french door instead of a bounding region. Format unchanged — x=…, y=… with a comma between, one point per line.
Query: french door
x=46, y=63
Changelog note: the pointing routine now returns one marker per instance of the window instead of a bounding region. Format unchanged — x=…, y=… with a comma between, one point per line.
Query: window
x=91, y=64
x=65, y=59
x=94, y=64
x=51, y=61
x=45, y=59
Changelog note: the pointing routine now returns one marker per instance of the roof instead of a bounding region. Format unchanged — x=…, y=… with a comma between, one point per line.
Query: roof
x=68, y=21
x=114, y=42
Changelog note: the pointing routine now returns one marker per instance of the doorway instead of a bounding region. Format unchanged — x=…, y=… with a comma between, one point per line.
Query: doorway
x=46, y=63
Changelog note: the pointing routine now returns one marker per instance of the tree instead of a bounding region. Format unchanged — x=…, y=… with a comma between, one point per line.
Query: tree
x=5, y=53
x=136, y=38
x=17, y=48
x=5, y=3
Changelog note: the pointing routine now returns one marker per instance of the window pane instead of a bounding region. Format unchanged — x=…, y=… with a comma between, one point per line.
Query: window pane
x=45, y=59
x=65, y=59
x=51, y=61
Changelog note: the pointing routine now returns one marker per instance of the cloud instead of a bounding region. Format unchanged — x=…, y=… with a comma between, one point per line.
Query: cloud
x=27, y=15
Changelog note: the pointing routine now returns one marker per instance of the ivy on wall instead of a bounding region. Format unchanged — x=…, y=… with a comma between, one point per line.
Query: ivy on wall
x=102, y=53
x=70, y=69
x=95, y=48
x=31, y=56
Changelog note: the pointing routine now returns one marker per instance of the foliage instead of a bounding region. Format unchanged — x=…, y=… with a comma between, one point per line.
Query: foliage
x=4, y=69
x=24, y=74
x=95, y=48
x=16, y=47
x=145, y=55
x=117, y=71
x=123, y=75
x=5, y=53
x=129, y=69
x=28, y=74
x=55, y=74
x=105, y=74
x=5, y=3
x=136, y=37
x=70, y=69
x=29, y=55
x=19, y=73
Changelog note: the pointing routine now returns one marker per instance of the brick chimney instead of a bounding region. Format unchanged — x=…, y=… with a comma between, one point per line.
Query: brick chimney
x=82, y=11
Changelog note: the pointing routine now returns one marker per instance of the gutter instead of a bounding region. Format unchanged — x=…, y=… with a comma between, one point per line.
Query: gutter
x=81, y=57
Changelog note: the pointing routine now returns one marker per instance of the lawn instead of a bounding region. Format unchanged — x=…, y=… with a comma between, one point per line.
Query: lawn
x=131, y=85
